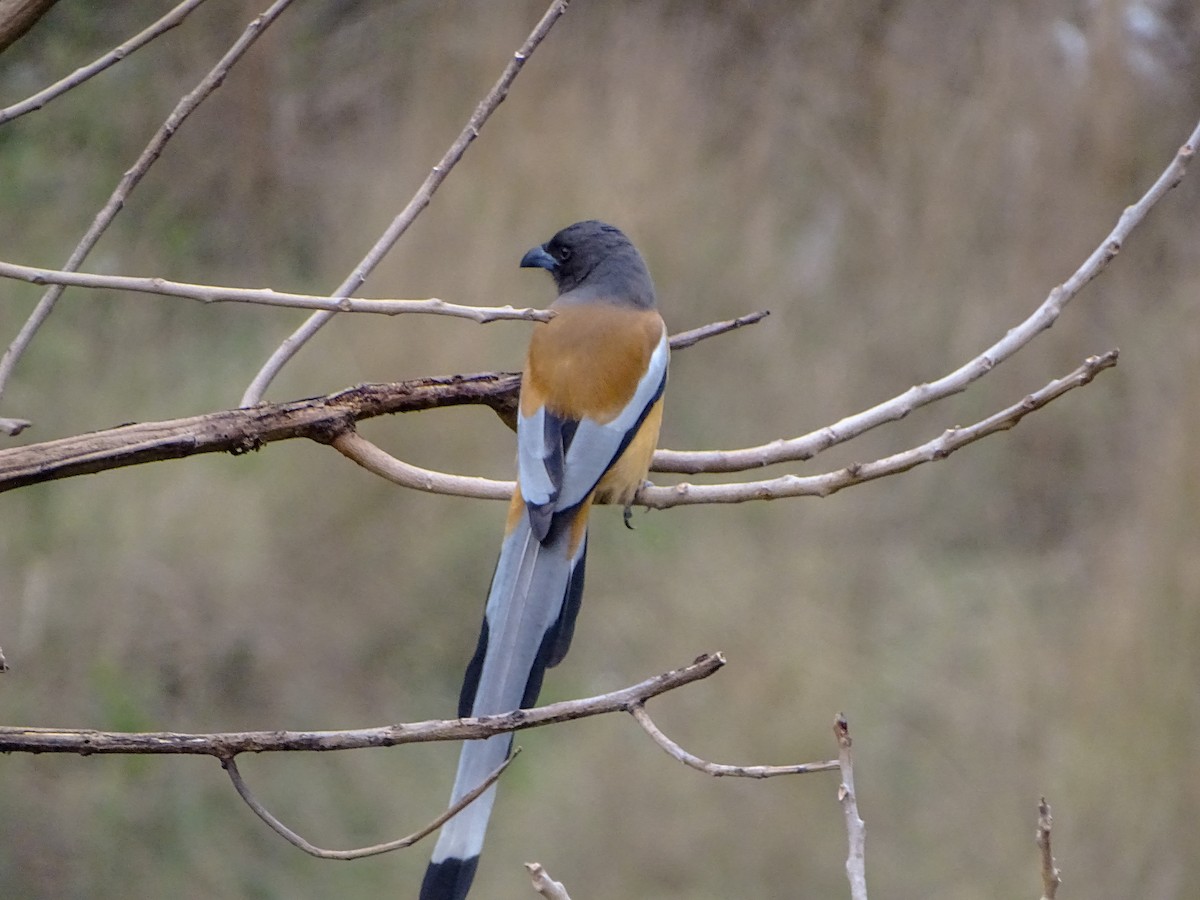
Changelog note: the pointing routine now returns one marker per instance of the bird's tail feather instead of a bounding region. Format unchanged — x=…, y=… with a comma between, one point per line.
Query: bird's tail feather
x=527, y=627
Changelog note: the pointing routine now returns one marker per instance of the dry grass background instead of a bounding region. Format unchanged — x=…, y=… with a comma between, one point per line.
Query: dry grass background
x=897, y=181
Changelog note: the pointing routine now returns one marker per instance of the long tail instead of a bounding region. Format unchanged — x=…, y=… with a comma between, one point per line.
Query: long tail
x=527, y=627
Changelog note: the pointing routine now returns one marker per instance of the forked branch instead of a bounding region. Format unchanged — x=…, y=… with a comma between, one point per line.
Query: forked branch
x=226, y=747
x=112, y=57
x=408, y=215
x=88, y=742
x=238, y=431
x=116, y=201
x=356, y=447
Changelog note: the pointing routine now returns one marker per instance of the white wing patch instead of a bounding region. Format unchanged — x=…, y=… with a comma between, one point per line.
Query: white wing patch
x=593, y=448
x=536, y=486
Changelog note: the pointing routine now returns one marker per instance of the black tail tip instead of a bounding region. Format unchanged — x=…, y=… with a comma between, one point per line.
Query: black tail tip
x=449, y=879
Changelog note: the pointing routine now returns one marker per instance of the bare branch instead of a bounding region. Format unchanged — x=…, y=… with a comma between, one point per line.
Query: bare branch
x=82, y=74
x=638, y=711
x=207, y=293
x=240, y=430
x=1050, y=876
x=809, y=445
x=407, y=475
x=686, y=339
x=371, y=457
x=296, y=840
x=416, y=205
x=87, y=742
x=331, y=420
x=831, y=482
x=186, y=106
x=544, y=884
x=856, y=829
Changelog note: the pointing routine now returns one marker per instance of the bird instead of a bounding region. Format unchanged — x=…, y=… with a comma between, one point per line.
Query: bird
x=588, y=419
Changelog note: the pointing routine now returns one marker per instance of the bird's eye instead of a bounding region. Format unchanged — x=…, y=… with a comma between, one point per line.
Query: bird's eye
x=564, y=253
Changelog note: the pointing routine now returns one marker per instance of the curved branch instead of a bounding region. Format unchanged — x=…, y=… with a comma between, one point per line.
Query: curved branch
x=831, y=482
x=87, y=742
x=372, y=458
x=718, y=770
x=114, y=56
x=416, y=205
x=237, y=431
x=186, y=106
x=296, y=840
x=809, y=445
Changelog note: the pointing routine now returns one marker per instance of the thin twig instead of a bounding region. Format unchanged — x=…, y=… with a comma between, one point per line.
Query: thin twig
x=1050, y=876
x=685, y=339
x=131, y=178
x=86, y=742
x=638, y=711
x=112, y=57
x=296, y=840
x=207, y=293
x=544, y=884
x=385, y=465
x=809, y=445
x=856, y=829
x=408, y=215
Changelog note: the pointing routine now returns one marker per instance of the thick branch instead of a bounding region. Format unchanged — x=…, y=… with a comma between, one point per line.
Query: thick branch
x=239, y=430
x=86, y=742
x=18, y=16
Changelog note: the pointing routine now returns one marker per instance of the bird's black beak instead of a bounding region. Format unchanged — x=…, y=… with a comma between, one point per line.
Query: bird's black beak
x=538, y=258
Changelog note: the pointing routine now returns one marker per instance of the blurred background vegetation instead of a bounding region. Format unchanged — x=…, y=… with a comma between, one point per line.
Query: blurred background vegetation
x=899, y=181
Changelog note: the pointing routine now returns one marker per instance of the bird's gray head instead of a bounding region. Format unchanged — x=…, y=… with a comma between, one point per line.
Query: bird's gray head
x=594, y=261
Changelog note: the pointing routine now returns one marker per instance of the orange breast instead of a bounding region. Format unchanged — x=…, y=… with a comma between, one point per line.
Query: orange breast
x=586, y=362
